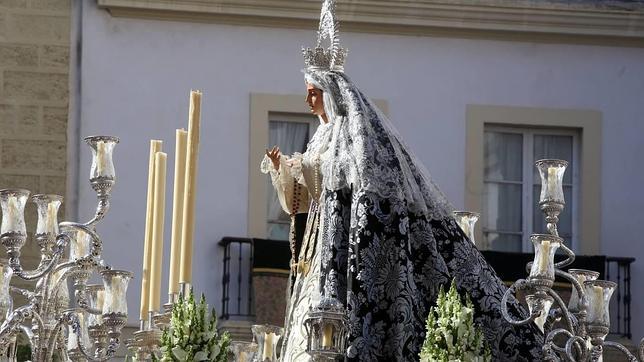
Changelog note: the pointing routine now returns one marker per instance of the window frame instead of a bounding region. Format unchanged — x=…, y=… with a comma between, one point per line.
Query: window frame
x=588, y=124
x=262, y=105
x=528, y=171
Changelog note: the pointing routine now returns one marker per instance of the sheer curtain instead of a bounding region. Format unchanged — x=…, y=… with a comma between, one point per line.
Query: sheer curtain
x=503, y=200
x=503, y=175
x=291, y=137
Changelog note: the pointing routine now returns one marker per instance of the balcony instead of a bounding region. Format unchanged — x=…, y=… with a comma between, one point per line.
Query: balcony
x=255, y=277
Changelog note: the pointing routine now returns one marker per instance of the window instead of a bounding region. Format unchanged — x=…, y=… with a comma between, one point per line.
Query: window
x=291, y=134
x=512, y=184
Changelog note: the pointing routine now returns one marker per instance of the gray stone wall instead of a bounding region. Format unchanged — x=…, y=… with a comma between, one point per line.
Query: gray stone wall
x=34, y=97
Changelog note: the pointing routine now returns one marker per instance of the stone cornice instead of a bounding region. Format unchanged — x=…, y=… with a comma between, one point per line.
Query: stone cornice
x=607, y=22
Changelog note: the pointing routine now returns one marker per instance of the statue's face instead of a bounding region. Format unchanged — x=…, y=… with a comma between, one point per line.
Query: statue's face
x=314, y=100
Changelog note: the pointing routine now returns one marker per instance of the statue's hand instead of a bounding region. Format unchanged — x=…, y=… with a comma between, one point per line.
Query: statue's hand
x=274, y=155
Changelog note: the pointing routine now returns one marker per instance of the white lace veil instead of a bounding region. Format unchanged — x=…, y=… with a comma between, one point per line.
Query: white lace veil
x=366, y=153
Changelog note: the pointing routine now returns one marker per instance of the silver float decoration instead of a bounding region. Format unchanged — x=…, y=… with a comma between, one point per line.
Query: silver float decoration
x=466, y=220
x=91, y=330
x=326, y=328
x=267, y=337
x=575, y=332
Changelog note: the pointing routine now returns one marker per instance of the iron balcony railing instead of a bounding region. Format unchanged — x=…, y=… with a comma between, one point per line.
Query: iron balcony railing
x=240, y=257
x=618, y=269
x=238, y=261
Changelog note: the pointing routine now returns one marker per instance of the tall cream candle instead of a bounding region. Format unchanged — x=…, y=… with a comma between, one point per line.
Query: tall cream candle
x=160, y=164
x=177, y=209
x=155, y=146
x=188, y=224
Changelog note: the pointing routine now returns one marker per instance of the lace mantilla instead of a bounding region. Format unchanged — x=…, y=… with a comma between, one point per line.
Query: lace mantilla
x=364, y=150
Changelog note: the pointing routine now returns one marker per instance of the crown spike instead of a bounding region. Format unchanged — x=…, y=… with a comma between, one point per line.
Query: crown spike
x=334, y=56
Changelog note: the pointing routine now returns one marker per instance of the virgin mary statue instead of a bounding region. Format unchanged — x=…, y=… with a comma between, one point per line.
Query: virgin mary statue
x=380, y=237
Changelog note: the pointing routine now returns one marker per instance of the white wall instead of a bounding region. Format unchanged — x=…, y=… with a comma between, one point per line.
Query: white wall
x=136, y=75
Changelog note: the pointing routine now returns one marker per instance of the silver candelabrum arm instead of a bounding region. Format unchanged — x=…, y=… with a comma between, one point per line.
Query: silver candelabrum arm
x=101, y=210
x=83, y=302
x=520, y=284
x=62, y=241
x=16, y=320
x=621, y=348
x=566, y=351
x=70, y=318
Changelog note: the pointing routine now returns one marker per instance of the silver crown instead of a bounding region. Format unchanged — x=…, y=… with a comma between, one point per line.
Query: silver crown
x=334, y=56
x=319, y=58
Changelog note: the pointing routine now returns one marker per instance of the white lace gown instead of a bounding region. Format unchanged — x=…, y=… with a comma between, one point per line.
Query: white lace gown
x=305, y=170
x=305, y=293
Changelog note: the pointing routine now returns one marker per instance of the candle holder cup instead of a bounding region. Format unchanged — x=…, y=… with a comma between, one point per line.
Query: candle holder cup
x=47, y=226
x=539, y=303
x=598, y=293
x=243, y=351
x=13, y=231
x=551, y=198
x=581, y=275
x=93, y=303
x=6, y=272
x=115, y=304
x=542, y=271
x=466, y=220
x=267, y=337
x=102, y=173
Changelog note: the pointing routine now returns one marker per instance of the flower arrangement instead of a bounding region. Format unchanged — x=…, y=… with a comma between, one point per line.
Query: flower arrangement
x=451, y=332
x=193, y=335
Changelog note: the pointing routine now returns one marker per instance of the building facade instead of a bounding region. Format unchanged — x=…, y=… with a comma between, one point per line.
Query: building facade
x=477, y=89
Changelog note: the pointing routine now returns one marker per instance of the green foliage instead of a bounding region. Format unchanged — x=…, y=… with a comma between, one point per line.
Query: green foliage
x=23, y=352
x=451, y=333
x=192, y=335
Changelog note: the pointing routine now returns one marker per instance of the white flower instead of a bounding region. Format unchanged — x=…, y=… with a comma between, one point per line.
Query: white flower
x=451, y=333
x=215, y=351
x=179, y=353
x=201, y=356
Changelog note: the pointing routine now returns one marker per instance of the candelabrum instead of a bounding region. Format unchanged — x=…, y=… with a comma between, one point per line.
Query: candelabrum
x=94, y=324
x=573, y=332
